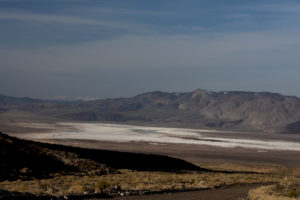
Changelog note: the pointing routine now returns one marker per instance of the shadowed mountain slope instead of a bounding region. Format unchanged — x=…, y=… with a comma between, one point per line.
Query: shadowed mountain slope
x=23, y=159
x=20, y=159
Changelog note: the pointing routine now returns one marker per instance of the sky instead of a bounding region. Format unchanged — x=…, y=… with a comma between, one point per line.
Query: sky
x=120, y=48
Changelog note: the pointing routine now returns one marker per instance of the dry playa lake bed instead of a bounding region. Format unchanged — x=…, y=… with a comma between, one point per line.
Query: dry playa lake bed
x=155, y=136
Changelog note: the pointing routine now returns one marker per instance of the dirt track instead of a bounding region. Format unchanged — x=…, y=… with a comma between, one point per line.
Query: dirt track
x=238, y=192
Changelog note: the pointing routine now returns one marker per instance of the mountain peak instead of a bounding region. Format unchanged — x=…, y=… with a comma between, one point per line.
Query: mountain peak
x=200, y=92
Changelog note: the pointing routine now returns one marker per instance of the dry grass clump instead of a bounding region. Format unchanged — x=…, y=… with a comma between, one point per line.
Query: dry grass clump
x=101, y=186
x=237, y=167
x=157, y=181
x=287, y=189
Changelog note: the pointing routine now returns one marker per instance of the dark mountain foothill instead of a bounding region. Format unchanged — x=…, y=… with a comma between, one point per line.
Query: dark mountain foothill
x=23, y=159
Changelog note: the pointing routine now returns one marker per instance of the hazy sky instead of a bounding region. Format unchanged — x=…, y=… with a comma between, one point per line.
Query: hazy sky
x=116, y=48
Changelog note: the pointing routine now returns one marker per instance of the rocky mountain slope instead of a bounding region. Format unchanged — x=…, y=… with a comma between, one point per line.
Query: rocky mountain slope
x=247, y=111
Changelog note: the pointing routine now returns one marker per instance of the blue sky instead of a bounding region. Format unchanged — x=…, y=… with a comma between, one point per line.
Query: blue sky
x=84, y=48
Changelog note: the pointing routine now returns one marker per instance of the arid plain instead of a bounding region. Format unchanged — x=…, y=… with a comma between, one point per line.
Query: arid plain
x=240, y=161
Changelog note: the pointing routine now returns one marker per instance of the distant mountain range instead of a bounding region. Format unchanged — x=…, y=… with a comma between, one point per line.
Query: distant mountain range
x=242, y=111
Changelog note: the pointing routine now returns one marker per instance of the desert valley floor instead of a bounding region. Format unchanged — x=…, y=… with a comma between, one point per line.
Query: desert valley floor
x=237, y=162
x=194, y=145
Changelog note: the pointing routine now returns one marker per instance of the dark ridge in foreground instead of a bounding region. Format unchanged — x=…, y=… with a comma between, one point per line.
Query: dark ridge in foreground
x=22, y=159
x=125, y=160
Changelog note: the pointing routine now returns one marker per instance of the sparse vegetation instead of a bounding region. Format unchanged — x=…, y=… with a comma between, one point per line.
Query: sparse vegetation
x=292, y=193
x=133, y=180
x=286, y=189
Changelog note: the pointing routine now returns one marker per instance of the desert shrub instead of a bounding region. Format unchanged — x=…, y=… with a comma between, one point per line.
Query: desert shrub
x=279, y=187
x=23, y=187
x=43, y=186
x=102, y=184
x=292, y=193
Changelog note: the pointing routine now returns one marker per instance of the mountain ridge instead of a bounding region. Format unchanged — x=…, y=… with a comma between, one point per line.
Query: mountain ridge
x=234, y=110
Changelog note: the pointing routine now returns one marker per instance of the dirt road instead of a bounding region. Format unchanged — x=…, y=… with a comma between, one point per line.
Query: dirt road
x=238, y=192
